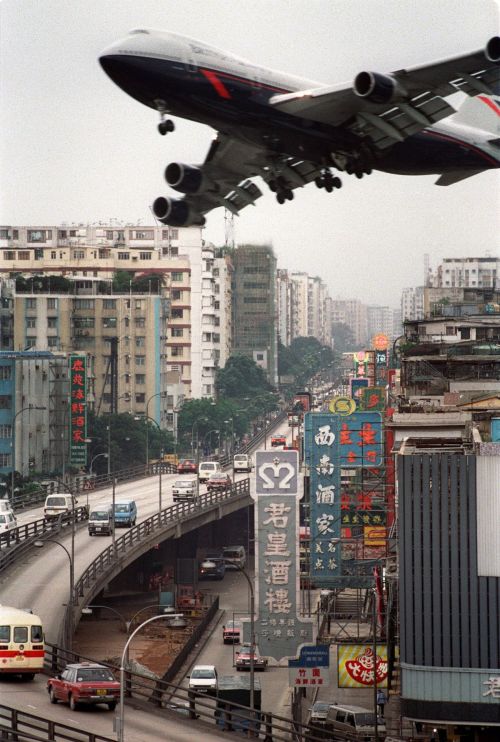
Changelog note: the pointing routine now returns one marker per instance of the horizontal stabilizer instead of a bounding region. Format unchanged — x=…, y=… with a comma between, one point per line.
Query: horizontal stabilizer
x=449, y=178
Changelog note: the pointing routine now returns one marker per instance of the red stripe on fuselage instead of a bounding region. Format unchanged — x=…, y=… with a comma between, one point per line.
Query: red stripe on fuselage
x=490, y=103
x=217, y=84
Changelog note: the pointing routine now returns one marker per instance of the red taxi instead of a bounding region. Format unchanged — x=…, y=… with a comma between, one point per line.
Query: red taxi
x=84, y=684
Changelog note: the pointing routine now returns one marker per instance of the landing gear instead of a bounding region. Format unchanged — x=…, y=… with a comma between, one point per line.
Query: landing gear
x=328, y=181
x=165, y=126
x=284, y=195
x=279, y=186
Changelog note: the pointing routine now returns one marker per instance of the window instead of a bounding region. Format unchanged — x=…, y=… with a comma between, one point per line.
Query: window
x=140, y=342
x=177, y=350
x=254, y=300
x=177, y=313
x=109, y=322
x=30, y=303
x=164, y=234
x=109, y=304
x=140, y=322
x=9, y=255
x=84, y=304
x=140, y=398
x=5, y=431
x=140, y=378
x=109, y=234
x=5, y=401
x=53, y=255
x=140, y=360
x=52, y=342
x=30, y=322
x=83, y=322
x=174, y=234
x=123, y=256
x=15, y=234
x=51, y=303
x=177, y=332
x=5, y=373
x=78, y=254
x=139, y=304
x=145, y=255
x=62, y=234
x=4, y=234
x=144, y=234
x=29, y=343
x=5, y=459
x=177, y=276
x=176, y=295
x=39, y=235
x=23, y=255
x=52, y=322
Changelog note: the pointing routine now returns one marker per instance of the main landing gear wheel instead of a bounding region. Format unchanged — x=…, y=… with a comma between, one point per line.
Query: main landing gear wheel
x=165, y=126
x=328, y=182
x=284, y=195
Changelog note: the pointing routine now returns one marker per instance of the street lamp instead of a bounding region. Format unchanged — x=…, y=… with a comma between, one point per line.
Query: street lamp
x=40, y=545
x=120, y=730
x=158, y=394
x=147, y=419
x=213, y=430
x=13, y=440
x=198, y=419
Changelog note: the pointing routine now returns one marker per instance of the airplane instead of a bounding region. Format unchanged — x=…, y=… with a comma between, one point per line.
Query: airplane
x=291, y=131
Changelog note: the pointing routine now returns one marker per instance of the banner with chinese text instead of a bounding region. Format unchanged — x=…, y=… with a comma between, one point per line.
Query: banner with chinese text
x=78, y=410
x=321, y=431
x=361, y=441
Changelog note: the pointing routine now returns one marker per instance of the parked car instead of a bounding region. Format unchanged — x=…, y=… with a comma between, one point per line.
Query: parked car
x=86, y=683
x=203, y=678
x=319, y=712
x=218, y=481
x=213, y=567
x=186, y=466
x=184, y=489
x=206, y=468
x=278, y=440
x=244, y=656
x=231, y=632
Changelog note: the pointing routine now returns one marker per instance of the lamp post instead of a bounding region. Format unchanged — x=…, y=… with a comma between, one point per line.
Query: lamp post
x=147, y=419
x=13, y=441
x=198, y=419
x=71, y=557
x=213, y=430
x=252, y=632
x=120, y=730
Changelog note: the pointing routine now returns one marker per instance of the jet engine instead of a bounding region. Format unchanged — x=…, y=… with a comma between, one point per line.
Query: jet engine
x=378, y=88
x=185, y=178
x=492, y=51
x=176, y=212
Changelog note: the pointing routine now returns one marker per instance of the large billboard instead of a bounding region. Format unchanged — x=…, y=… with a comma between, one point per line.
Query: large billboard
x=361, y=441
x=356, y=668
x=78, y=416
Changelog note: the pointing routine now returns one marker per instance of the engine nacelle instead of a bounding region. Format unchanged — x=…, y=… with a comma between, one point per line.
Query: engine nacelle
x=176, y=212
x=492, y=51
x=378, y=88
x=185, y=178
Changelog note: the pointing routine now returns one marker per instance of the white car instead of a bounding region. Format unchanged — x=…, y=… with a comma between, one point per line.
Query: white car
x=8, y=521
x=184, y=489
x=206, y=468
x=242, y=462
x=203, y=678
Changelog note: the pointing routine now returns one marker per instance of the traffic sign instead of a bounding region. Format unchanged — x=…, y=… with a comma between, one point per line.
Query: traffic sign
x=276, y=472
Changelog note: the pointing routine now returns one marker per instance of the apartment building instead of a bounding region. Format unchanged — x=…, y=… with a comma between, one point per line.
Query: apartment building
x=483, y=272
x=254, y=307
x=412, y=302
x=354, y=314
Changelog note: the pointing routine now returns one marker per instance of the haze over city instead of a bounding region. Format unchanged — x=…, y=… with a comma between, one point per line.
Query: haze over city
x=77, y=149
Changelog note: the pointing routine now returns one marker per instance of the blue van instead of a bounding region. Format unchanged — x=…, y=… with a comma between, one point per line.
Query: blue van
x=125, y=513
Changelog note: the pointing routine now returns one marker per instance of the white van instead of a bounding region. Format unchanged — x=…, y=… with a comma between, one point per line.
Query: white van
x=242, y=462
x=60, y=504
x=354, y=722
x=101, y=520
x=5, y=506
x=206, y=468
x=7, y=521
x=234, y=556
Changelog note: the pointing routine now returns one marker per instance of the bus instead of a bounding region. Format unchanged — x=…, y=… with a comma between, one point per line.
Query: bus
x=21, y=642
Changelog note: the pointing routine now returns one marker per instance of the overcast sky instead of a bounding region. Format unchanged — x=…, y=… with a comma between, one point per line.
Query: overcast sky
x=75, y=148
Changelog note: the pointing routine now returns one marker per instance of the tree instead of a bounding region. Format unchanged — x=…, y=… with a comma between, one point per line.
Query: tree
x=343, y=337
x=239, y=374
x=304, y=358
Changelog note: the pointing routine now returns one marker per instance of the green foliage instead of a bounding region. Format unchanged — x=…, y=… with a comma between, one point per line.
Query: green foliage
x=241, y=373
x=127, y=441
x=343, y=337
x=124, y=281
x=43, y=284
x=304, y=358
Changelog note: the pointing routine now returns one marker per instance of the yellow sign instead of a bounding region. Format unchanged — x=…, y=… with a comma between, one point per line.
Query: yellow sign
x=375, y=535
x=356, y=666
x=380, y=341
x=342, y=406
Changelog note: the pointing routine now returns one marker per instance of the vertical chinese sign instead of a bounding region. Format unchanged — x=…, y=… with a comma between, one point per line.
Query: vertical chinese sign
x=322, y=446
x=361, y=442
x=278, y=628
x=78, y=410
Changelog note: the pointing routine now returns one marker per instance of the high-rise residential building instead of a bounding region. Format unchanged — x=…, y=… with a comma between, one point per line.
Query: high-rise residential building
x=90, y=255
x=412, y=303
x=300, y=318
x=254, y=307
x=383, y=320
x=354, y=314
x=483, y=272
x=285, y=304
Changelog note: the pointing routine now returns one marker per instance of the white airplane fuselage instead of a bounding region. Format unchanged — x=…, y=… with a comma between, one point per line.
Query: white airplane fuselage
x=187, y=78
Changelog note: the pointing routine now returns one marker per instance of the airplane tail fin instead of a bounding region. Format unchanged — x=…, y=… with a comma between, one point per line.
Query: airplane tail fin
x=481, y=112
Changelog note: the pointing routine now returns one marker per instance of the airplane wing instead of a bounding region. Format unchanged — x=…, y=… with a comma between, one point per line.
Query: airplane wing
x=227, y=171
x=388, y=108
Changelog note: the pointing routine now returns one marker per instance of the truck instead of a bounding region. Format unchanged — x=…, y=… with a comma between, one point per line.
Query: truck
x=236, y=690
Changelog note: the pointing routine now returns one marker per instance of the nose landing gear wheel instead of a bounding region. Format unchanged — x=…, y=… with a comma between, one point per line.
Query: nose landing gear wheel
x=165, y=126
